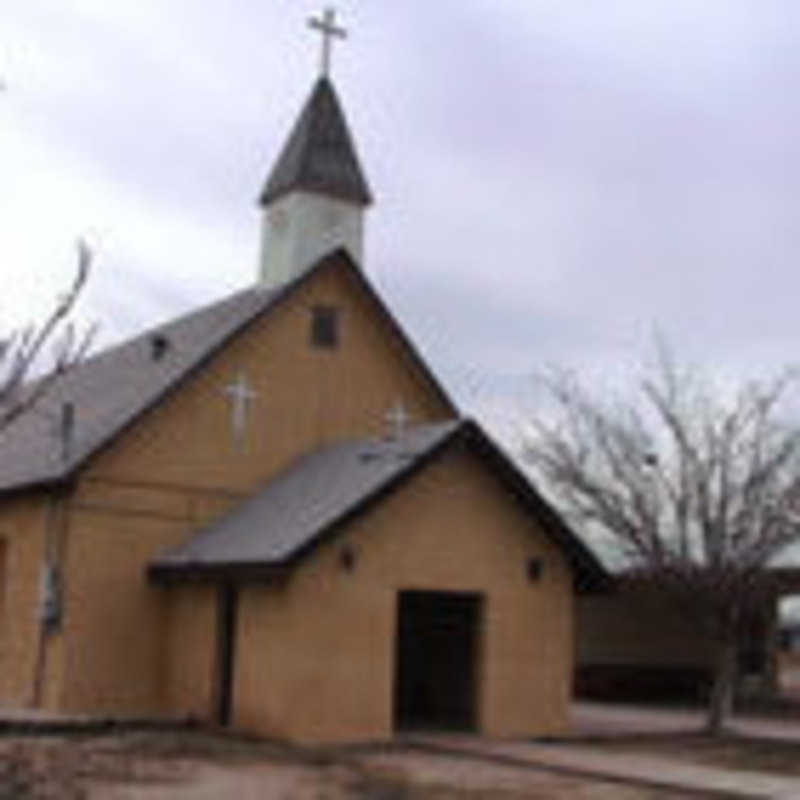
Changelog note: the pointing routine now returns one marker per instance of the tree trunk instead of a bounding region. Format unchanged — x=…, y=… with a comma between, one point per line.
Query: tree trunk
x=721, y=703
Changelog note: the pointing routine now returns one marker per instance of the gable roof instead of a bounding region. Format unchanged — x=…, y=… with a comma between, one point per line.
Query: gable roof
x=319, y=155
x=282, y=522
x=111, y=390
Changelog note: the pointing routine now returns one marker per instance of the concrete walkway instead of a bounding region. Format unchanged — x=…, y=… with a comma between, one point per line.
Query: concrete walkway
x=605, y=719
x=594, y=762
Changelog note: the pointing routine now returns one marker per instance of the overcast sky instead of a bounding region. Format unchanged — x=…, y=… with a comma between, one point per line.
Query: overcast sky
x=554, y=178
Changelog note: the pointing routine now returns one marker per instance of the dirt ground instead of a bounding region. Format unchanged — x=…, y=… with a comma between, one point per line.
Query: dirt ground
x=179, y=766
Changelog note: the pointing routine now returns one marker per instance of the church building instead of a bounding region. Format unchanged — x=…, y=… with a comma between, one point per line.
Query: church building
x=269, y=514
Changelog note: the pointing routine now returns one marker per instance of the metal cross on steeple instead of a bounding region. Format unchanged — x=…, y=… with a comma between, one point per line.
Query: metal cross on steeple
x=328, y=28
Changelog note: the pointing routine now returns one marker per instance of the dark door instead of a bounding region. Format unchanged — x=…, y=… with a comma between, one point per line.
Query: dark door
x=437, y=650
x=226, y=650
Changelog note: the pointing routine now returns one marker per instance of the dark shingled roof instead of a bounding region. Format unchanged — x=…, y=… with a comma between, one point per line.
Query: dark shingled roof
x=319, y=155
x=284, y=520
x=313, y=494
x=110, y=390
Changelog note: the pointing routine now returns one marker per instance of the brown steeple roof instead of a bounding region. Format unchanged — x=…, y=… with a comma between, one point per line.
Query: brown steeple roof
x=319, y=155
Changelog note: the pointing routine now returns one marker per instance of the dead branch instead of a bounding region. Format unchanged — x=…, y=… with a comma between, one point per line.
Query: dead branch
x=696, y=491
x=21, y=353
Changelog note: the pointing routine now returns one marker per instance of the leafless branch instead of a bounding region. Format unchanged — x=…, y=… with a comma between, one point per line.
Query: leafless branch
x=697, y=491
x=21, y=353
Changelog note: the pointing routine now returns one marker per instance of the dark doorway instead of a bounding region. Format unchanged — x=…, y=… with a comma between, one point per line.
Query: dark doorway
x=226, y=647
x=437, y=648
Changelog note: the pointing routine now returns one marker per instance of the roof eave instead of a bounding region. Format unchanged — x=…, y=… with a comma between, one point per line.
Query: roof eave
x=224, y=572
x=50, y=482
x=268, y=196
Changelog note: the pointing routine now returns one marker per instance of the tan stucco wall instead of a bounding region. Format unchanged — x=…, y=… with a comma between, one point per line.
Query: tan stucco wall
x=189, y=655
x=22, y=528
x=315, y=655
x=306, y=396
x=178, y=468
x=112, y=633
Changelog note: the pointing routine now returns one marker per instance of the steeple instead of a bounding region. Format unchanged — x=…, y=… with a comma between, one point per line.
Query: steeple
x=319, y=155
x=314, y=198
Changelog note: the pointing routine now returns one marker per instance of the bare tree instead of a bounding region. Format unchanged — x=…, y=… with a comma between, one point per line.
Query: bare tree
x=696, y=490
x=27, y=369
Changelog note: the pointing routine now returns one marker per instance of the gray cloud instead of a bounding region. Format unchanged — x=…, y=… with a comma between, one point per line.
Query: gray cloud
x=553, y=179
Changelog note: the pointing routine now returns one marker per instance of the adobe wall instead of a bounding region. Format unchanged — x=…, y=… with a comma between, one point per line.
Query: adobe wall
x=127, y=646
x=315, y=656
x=22, y=530
x=178, y=468
x=189, y=656
x=306, y=397
x=114, y=621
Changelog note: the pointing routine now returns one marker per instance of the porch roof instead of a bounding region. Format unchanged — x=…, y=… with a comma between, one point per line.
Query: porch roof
x=279, y=524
